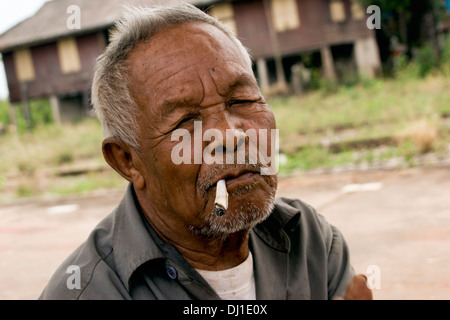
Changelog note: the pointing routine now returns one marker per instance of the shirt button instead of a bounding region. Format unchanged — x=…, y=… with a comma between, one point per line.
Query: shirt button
x=171, y=272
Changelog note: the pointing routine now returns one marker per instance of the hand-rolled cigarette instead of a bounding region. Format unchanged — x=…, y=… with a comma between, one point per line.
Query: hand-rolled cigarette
x=221, y=202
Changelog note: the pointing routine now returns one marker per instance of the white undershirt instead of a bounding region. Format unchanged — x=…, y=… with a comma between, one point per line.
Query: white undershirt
x=237, y=283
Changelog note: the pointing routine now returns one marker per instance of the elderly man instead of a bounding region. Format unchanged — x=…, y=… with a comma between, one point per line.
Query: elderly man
x=171, y=73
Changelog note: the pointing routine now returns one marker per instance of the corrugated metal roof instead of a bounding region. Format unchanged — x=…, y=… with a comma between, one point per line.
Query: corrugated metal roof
x=50, y=21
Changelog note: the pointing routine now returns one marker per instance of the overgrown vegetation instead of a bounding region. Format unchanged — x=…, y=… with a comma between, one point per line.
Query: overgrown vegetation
x=54, y=160
x=365, y=124
x=370, y=122
x=39, y=114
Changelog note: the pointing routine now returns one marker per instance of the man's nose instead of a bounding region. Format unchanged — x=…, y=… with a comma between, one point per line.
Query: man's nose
x=229, y=137
x=232, y=140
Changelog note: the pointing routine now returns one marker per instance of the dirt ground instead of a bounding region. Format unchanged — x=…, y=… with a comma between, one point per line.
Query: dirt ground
x=397, y=225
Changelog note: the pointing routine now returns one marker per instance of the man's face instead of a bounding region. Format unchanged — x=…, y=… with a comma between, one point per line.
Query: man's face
x=195, y=73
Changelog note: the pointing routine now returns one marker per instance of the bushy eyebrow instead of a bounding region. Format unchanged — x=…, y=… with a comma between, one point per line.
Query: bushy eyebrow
x=244, y=80
x=170, y=105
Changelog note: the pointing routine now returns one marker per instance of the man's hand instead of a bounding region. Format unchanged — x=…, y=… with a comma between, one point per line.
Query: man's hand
x=357, y=290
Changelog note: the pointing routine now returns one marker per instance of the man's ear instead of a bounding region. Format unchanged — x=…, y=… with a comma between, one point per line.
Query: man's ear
x=123, y=159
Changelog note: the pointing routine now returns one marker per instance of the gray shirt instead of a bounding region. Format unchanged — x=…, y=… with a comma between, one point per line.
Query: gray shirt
x=296, y=255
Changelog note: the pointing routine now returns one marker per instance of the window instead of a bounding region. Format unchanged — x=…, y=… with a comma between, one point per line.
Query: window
x=337, y=10
x=357, y=11
x=285, y=15
x=23, y=63
x=224, y=13
x=69, y=59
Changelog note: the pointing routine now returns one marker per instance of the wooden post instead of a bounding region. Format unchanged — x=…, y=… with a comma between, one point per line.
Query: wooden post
x=13, y=116
x=26, y=105
x=281, y=80
x=85, y=97
x=367, y=57
x=328, y=63
x=54, y=103
x=262, y=74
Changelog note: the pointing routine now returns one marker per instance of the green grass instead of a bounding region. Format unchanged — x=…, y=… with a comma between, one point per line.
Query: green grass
x=372, y=109
x=91, y=181
x=379, y=103
x=30, y=162
x=50, y=146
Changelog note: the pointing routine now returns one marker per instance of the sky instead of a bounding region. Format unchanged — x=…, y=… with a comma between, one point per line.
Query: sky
x=11, y=13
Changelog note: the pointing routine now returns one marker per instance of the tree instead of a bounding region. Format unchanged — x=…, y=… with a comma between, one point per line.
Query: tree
x=412, y=22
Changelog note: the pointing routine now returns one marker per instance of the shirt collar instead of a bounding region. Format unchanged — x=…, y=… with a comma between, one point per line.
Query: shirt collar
x=133, y=245
x=275, y=229
x=270, y=242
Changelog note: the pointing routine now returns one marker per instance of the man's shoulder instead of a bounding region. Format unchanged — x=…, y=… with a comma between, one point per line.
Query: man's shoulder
x=317, y=241
x=78, y=271
x=288, y=210
x=294, y=204
x=294, y=213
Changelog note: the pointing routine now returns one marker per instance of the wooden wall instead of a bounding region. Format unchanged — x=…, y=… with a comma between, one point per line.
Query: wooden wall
x=49, y=77
x=316, y=28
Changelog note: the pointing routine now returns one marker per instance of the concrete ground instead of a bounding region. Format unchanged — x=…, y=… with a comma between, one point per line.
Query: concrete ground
x=397, y=225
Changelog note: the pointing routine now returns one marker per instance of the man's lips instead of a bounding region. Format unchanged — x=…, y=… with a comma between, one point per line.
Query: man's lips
x=237, y=178
x=238, y=181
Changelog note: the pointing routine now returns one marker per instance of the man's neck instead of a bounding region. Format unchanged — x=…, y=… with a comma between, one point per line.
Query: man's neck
x=218, y=253
x=208, y=254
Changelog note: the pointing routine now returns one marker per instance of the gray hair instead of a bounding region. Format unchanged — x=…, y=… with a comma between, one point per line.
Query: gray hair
x=111, y=98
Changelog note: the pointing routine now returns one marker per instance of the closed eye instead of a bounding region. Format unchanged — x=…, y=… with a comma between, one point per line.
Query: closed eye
x=235, y=102
x=187, y=118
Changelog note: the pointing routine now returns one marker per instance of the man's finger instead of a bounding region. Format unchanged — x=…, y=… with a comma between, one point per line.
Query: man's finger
x=358, y=290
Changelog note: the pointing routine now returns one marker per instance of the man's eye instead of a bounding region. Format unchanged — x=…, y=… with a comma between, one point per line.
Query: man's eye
x=237, y=102
x=186, y=119
x=247, y=103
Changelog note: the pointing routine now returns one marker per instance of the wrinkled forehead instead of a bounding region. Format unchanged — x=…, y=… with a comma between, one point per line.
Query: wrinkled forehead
x=180, y=55
x=202, y=39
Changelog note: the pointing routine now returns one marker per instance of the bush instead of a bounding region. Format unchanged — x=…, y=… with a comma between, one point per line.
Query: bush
x=41, y=111
x=422, y=134
x=445, y=58
x=400, y=63
x=426, y=60
x=41, y=114
x=4, y=112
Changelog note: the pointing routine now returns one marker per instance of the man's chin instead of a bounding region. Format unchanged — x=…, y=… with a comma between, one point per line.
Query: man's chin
x=240, y=216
